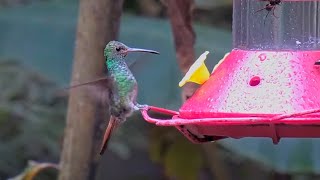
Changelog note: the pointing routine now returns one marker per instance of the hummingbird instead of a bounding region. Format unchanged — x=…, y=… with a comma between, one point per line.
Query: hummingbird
x=124, y=87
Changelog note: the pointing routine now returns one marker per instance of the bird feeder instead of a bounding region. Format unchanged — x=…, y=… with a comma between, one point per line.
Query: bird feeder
x=269, y=84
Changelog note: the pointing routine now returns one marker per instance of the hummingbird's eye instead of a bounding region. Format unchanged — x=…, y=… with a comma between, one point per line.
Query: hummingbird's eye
x=118, y=49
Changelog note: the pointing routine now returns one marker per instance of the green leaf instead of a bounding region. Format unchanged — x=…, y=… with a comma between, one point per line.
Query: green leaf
x=33, y=169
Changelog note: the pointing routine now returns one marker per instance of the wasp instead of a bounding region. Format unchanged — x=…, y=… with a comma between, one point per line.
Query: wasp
x=271, y=6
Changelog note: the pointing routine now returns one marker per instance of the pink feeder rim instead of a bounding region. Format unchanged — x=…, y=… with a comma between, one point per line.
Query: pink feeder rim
x=253, y=94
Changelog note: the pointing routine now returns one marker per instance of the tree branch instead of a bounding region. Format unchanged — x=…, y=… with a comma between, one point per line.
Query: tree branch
x=180, y=14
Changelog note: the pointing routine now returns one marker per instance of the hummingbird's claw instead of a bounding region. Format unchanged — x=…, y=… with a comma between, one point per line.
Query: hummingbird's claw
x=140, y=106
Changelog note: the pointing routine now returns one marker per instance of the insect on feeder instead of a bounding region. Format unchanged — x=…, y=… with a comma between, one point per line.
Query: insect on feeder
x=267, y=86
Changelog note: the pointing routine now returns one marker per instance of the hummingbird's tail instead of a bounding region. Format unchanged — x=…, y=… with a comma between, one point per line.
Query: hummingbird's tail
x=111, y=126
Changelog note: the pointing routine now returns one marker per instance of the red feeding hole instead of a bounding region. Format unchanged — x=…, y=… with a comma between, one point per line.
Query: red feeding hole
x=254, y=81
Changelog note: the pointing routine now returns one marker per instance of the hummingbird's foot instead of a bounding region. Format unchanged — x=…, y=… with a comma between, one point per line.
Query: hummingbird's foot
x=140, y=106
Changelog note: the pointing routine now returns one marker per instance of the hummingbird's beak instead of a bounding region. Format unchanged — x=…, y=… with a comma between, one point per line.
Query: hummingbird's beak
x=142, y=50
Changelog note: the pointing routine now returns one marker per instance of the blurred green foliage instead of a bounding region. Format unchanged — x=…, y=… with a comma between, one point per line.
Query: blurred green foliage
x=31, y=118
x=180, y=158
x=183, y=160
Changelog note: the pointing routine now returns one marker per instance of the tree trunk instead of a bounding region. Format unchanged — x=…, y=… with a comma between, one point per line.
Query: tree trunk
x=180, y=14
x=98, y=23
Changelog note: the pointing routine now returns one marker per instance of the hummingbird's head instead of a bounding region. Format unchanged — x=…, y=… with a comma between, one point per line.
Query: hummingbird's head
x=117, y=49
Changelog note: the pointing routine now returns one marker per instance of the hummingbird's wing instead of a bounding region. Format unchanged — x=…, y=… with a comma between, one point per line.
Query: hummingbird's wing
x=98, y=89
x=98, y=81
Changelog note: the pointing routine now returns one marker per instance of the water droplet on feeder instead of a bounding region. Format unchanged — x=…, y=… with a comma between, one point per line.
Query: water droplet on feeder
x=262, y=57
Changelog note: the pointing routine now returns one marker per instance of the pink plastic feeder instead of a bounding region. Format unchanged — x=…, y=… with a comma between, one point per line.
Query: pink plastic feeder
x=269, y=85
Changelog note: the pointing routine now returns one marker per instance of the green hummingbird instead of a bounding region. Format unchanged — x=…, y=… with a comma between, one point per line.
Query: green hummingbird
x=124, y=87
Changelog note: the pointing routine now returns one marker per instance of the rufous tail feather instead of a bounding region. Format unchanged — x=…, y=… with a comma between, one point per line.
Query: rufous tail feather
x=111, y=126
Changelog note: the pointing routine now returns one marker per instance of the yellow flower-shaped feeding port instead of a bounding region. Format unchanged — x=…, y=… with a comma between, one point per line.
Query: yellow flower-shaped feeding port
x=198, y=72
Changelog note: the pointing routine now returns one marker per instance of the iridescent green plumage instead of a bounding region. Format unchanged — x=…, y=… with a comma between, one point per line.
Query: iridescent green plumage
x=124, y=87
x=124, y=82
